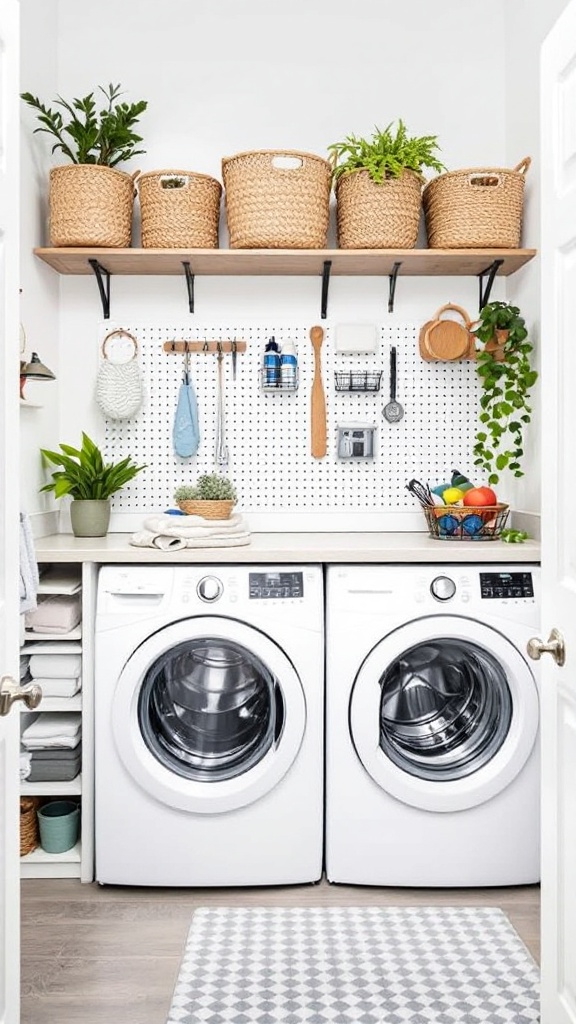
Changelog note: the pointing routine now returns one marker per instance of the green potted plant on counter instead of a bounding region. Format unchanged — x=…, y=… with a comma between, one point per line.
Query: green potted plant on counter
x=91, y=201
x=378, y=184
x=503, y=365
x=212, y=496
x=90, y=482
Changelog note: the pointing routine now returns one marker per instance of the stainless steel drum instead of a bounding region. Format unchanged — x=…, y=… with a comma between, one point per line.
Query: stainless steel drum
x=209, y=709
x=445, y=709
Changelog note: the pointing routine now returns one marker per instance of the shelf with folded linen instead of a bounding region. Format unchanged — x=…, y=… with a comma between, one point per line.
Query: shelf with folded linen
x=51, y=752
x=56, y=617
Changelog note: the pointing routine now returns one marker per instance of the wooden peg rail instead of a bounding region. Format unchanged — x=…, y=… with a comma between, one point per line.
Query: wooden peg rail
x=204, y=346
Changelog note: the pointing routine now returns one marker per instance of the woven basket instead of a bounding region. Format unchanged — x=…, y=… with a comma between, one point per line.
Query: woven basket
x=207, y=509
x=277, y=199
x=91, y=205
x=466, y=522
x=29, y=831
x=476, y=208
x=179, y=210
x=378, y=215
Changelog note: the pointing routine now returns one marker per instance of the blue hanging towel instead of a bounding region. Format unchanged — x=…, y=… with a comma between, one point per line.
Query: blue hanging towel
x=186, y=433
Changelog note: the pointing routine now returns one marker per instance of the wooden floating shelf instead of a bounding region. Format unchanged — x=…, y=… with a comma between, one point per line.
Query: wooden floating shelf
x=288, y=262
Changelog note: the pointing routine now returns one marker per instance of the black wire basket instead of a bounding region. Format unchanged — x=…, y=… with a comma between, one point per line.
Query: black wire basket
x=455, y=522
x=358, y=380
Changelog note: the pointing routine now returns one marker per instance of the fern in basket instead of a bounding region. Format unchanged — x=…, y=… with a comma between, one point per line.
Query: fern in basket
x=386, y=155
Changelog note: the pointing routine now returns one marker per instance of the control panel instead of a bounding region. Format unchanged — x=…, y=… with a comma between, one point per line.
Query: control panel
x=506, y=585
x=276, y=585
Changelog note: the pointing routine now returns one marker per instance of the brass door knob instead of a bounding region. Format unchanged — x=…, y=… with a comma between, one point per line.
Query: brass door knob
x=10, y=692
x=554, y=646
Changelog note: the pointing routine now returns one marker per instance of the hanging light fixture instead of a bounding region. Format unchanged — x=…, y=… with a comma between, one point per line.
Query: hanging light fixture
x=34, y=370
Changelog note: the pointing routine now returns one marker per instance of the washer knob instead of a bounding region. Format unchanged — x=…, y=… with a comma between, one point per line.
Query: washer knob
x=209, y=588
x=442, y=588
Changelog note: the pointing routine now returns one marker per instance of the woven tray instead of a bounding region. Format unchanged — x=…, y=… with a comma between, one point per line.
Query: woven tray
x=476, y=208
x=378, y=215
x=91, y=205
x=277, y=199
x=179, y=210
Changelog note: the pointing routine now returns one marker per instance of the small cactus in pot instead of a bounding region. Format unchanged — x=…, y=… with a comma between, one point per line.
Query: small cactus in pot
x=212, y=496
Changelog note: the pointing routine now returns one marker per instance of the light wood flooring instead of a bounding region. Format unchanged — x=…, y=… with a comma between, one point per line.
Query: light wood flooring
x=95, y=954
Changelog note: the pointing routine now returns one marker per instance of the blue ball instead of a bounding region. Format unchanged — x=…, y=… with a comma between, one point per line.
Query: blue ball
x=472, y=524
x=448, y=524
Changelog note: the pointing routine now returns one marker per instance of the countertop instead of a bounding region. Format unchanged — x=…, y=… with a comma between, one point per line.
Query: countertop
x=291, y=548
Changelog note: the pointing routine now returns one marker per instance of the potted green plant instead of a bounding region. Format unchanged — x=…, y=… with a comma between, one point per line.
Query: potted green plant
x=503, y=365
x=90, y=482
x=212, y=496
x=378, y=184
x=91, y=201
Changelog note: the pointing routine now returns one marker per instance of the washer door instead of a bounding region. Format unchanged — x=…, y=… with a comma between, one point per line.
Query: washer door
x=208, y=715
x=444, y=713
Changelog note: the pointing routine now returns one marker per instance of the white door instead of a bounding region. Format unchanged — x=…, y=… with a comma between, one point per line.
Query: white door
x=9, y=509
x=558, y=333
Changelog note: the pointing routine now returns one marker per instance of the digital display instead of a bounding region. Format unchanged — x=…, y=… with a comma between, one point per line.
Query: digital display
x=276, y=585
x=506, y=584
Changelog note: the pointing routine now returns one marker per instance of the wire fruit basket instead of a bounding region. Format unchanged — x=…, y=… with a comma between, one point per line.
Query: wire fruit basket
x=454, y=522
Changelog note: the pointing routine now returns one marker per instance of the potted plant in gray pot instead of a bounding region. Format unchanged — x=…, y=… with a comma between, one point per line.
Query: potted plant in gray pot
x=378, y=184
x=90, y=482
x=91, y=201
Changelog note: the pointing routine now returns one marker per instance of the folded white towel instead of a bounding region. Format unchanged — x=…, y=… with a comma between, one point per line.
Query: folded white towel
x=28, y=566
x=53, y=729
x=55, y=613
x=25, y=766
x=56, y=666
x=58, y=687
x=149, y=539
x=195, y=526
x=50, y=742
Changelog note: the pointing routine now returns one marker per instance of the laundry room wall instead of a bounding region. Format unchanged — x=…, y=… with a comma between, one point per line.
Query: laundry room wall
x=224, y=78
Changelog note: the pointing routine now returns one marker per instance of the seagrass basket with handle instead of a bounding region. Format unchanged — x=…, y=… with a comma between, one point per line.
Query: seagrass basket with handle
x=91, y=206
x=378, y=214
x=179, y=210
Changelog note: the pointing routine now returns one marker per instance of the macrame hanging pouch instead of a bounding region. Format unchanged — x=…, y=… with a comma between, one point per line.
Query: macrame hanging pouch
x=119, y=389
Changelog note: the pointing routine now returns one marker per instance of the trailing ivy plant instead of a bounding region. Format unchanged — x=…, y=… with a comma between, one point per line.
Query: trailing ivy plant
x=386, y=154
x=88, y=136
x=503, y=365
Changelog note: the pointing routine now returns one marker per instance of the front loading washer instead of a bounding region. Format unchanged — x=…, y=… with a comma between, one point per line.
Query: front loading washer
x=432, y=725
x=209, y=725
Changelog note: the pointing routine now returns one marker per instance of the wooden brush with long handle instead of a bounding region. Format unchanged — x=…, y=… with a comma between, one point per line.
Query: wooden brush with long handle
x=318, y=399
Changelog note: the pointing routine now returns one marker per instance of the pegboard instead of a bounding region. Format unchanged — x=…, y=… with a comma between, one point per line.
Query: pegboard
x=268, y=434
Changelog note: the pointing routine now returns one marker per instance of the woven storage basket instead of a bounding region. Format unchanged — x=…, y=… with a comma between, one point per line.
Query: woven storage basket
x=179, y=210
x=476, y=208
x=91, y=205
x=29, y=831
x=378, y=215
x=207, y=509
x=277, y=199
x=466, y=522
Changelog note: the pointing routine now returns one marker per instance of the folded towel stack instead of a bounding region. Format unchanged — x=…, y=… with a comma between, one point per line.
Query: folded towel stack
x=59, y=675
x=55, y=613
x=170, y=533
x=53, y=729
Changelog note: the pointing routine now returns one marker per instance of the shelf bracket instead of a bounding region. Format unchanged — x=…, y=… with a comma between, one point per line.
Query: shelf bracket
x=491, y=271
x=392, y=286
x=325, y=283
x=103, y=279
x=189, y=284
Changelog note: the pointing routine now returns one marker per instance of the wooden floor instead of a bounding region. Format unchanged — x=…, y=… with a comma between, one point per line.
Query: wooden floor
x=96, y=954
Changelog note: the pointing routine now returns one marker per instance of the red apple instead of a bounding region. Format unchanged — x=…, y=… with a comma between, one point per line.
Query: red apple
x=479, y=496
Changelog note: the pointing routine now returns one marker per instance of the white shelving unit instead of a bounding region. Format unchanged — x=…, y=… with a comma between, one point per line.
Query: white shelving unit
x=77, y=862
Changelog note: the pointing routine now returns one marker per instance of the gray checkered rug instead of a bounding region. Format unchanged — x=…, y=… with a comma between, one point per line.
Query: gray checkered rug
x=354, y=965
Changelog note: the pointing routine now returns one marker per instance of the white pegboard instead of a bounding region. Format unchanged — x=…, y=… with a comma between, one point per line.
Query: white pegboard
x=268, y=434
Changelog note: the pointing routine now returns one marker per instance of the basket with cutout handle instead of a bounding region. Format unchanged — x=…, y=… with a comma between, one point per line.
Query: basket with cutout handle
x=447, y=339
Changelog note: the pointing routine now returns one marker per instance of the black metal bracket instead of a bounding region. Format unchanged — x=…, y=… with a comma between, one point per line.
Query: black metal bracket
x=103, y=279
x=325, y=283
x=491, y=271
x=392, y=286
x=189, y=284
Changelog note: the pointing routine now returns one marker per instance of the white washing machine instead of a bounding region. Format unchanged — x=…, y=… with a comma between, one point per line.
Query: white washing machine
x=432, y=710
x=209, y=725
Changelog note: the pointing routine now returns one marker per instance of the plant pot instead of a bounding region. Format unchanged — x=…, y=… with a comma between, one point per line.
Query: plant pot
x=206, y=508
x=91, y=205
x=378, y=215
x=90, y=517
x=496, y=345
x=59, y=823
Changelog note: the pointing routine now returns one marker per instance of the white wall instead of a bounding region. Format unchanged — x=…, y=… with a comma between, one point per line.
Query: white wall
x=221, y=78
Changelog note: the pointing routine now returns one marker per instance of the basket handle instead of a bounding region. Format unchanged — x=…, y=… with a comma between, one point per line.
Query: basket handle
x=457, y=309
x=119, y=332
x=484, y=179
x=523, y=166
x=295, y=162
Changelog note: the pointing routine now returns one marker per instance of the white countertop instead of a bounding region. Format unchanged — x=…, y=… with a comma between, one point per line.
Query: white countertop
x=292, y=548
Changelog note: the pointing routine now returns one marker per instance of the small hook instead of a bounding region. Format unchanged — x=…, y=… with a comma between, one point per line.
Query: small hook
x=205, y=347
x=173, y=343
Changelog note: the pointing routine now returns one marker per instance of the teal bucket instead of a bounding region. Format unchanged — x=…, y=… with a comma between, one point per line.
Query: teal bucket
x=59, y=823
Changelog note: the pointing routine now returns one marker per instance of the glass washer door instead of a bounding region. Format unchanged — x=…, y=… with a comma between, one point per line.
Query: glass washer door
x=208, y=714
x=444, y=713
